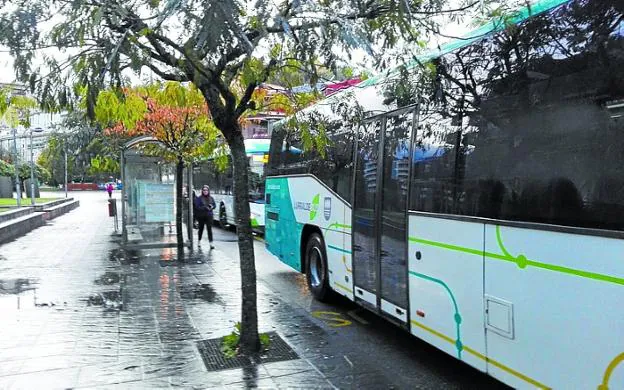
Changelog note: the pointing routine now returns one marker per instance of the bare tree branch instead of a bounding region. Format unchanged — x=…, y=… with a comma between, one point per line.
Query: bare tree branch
x=166, y=75
x=243, y=105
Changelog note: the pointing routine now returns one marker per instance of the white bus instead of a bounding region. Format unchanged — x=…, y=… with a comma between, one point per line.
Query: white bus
x=485, y=216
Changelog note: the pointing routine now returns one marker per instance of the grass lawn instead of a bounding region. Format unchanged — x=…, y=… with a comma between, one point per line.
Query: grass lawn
x=25, y=202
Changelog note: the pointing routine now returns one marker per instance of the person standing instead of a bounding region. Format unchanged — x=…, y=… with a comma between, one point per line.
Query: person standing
x=109, y=189
x=204, y=205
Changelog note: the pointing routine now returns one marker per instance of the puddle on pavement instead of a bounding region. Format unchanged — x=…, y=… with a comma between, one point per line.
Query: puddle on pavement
x=21, y=293
x=124, y=256
x=109, y=300
x=108, y=278
x=205, y=292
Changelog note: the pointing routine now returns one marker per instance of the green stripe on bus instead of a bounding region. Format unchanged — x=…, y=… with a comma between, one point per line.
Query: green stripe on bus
x=521, y=261
x=338, y=225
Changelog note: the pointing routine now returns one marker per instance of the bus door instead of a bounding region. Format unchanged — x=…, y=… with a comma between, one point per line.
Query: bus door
x=380, y=213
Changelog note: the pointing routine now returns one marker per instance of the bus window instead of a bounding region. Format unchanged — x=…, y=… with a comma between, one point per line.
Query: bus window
x=334, y=167
x=535, y=138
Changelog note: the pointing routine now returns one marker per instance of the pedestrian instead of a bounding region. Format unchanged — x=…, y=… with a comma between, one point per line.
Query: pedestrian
x=205, y=204
x=109, y=189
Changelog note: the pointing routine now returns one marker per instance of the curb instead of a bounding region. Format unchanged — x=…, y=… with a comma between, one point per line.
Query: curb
x=30, y=220
x=60, y=209
x=13, y=214
x=44, y=206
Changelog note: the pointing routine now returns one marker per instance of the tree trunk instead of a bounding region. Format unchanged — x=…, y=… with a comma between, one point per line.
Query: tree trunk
x=179, y=180
x=249, y=341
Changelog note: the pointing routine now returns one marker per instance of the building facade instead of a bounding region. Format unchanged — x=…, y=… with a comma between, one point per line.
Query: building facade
x=42, y=126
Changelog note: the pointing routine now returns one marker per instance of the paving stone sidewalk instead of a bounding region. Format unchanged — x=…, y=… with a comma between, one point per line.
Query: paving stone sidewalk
x=77, y=311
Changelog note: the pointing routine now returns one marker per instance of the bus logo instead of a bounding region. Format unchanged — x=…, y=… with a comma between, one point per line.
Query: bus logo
x=327, y=208
x=315, y=206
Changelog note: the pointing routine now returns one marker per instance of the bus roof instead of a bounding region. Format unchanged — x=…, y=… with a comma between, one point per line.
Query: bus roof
x=370, y=98
x=491, y=27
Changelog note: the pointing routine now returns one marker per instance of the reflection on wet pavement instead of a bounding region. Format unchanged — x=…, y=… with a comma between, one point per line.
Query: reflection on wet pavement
x=200, y=291
x=107, y=299
x=108, y=278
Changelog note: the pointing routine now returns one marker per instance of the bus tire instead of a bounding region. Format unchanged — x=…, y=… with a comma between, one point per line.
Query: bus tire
x=223, y=223
x=317, y=274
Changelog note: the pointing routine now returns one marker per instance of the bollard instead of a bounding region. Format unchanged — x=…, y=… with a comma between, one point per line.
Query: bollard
x=112, y=207
x=112, y=211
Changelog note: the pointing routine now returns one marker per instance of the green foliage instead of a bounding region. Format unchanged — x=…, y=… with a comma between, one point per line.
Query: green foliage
x=4, y=93
x=265, y=340
x=18, y=111
x=41, y=174
x=6, y=169
x=110, y=109
x=104, y=166
x=502, y=13
x=83, y=143
x=52, y=158
x=230, y=343
x=229, y=346
x=252, y=71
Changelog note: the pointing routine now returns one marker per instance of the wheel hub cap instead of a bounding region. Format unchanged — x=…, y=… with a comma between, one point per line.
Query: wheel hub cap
x=316, y=267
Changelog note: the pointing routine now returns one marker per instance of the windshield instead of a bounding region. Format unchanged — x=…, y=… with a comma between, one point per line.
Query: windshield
x=257, y=163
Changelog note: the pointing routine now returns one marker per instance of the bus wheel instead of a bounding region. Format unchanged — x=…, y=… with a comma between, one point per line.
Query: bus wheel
x=223, y=223
x=316, y=268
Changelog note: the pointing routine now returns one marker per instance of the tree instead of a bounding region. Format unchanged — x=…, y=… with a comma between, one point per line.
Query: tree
x=174, y=114
x=41, y=174
x=225, y=48
x=15, y=111
x=83, y=141
x=7, y=169
x=104, y=167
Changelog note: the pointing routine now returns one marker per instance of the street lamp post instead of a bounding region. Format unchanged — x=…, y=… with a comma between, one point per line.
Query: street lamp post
x=18, y=189
x=32, y=165
x=65, y=152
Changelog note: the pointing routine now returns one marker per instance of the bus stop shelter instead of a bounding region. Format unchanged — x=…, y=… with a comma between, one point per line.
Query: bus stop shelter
x=148, y=206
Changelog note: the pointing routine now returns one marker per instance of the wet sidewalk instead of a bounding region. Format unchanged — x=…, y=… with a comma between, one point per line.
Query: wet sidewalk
x=79, y=312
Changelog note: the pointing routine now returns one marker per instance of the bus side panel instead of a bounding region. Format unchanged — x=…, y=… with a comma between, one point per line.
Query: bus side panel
x=552, y=317
x=257, y=215
x=282, y=233
x=315, y=205
x=446, y=286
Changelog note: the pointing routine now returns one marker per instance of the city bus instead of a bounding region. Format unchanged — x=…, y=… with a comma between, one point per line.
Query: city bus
x=221, y=184
x=484, y=214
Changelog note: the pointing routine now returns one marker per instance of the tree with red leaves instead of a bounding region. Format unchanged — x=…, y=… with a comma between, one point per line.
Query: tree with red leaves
x=175, y=115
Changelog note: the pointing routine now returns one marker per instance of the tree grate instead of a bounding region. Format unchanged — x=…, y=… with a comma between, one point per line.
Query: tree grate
x=210, y=351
